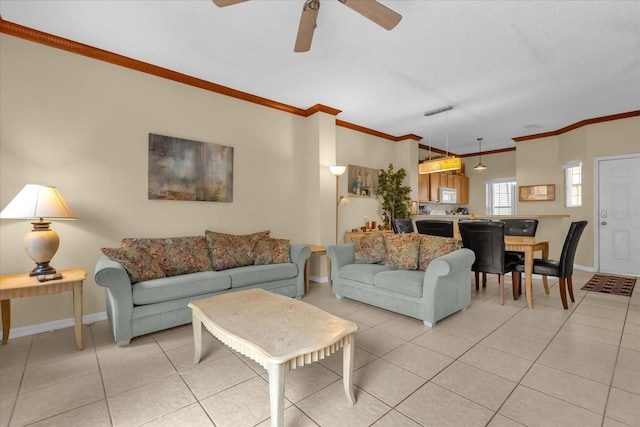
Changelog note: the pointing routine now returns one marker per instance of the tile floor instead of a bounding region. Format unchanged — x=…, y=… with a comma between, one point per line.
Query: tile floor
x=489, y=365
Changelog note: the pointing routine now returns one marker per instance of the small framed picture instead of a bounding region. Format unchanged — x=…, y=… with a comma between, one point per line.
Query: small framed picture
x=537, y=193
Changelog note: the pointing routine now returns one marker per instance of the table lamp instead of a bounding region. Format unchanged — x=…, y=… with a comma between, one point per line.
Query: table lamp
x=39, y=202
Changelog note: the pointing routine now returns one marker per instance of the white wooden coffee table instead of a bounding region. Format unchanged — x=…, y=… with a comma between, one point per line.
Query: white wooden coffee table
x=278, y=332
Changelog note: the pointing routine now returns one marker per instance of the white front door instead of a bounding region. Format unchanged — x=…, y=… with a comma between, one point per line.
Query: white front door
x=619, y=215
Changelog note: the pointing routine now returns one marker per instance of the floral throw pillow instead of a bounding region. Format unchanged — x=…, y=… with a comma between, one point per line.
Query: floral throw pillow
x=431, y=247
x=402, y=251
x=369, y=249
x=271, y=251
x=183, y=255
x=138, y=262
x=230, y=251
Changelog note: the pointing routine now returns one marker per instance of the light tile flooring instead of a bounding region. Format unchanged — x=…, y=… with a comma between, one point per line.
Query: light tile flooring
x=489, y=365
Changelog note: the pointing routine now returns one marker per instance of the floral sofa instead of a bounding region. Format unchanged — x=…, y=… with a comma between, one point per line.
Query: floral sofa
x=418, y=275
x=150, y=281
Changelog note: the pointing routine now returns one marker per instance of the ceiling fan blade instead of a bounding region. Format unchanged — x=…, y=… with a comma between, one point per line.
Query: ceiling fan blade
x=223, y=3
x=307, y=25
x=375, y=11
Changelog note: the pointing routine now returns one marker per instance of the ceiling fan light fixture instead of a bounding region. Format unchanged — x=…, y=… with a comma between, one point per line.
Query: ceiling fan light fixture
x=480, y=166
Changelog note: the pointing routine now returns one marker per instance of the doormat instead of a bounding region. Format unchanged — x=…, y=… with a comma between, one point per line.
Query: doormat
x=615, y=285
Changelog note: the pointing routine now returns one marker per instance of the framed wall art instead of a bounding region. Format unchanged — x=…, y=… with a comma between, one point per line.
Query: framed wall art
x=181, y=169
x=363, y=181
x=537, y=193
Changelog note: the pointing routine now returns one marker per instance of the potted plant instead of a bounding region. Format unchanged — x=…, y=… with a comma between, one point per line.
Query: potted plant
x=396, y=202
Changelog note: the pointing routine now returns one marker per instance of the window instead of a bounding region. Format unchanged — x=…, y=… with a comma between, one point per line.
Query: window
x=501, y=197
x=573, y=184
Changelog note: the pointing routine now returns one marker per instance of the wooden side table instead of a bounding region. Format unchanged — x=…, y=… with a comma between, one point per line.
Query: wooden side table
x=23, y=285
x=316, y=250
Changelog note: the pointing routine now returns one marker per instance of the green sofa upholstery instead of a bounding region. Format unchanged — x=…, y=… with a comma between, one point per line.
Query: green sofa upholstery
x=431, y=295
x=153, y=305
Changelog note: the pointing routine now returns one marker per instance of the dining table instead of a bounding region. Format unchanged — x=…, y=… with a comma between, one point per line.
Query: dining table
x=528, y=245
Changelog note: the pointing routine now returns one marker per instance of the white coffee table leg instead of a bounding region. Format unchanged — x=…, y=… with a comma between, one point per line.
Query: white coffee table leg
x=197, y=337
x=276, y=394
x=347, y=368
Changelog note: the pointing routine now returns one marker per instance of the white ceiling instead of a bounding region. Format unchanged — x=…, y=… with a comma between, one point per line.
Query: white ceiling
x=509, y=68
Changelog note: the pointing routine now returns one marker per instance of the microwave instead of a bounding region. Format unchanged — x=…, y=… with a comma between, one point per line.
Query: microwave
x=448, y=195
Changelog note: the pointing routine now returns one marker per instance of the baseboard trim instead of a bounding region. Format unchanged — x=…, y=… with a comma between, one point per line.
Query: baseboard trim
x=323, y=279
x=56, y=324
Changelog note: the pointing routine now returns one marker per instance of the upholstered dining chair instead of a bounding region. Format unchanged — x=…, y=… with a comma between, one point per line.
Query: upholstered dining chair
x=562, y=268
x=486, y=240
x=402, y=225
x=435, y=227
x=519, y=227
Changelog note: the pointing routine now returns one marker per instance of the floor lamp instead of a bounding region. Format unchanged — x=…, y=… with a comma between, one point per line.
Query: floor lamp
x=337, y=171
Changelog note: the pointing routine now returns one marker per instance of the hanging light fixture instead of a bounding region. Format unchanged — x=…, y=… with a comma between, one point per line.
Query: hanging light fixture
x=480, y=166
x=445, y=163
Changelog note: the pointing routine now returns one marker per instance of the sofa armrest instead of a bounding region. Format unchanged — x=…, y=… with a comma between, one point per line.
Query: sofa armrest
x=340, y=255
x=447, y=284
x=299, y=256
x=113, y=276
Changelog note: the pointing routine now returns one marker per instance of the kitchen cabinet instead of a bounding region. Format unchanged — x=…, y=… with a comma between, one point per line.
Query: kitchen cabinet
x=429, y=186
x=423, y=187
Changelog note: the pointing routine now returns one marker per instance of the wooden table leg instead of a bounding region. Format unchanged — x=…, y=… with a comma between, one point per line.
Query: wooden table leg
x=347, y=368
x=307, y=268
x=77, y=313
x=5, y=305
x=528, y=274
x=276, y=393
x=197, y=337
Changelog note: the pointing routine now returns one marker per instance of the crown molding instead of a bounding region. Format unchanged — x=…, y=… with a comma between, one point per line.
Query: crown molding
x=579, y=125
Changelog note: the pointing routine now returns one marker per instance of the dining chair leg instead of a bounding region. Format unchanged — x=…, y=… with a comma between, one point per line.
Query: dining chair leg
x=484, y=280
x=570, y=286
x=563, y=293
x=501, y=281
x=477, y=274
x=516, y=285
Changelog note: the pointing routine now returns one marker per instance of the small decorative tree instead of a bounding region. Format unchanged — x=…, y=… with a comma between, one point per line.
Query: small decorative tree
x=396, y=202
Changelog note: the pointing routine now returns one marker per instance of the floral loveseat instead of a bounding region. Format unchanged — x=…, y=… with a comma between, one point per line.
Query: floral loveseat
x=418, y=275
x=150, y=281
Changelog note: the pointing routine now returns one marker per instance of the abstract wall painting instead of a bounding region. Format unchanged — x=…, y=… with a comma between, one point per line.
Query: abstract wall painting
x=181, y=169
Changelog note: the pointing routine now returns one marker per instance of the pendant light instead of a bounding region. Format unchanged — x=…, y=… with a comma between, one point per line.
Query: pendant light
x=444, y=163
x=480, y=166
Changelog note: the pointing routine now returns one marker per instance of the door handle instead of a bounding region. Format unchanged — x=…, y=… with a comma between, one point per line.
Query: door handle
x=603, y=223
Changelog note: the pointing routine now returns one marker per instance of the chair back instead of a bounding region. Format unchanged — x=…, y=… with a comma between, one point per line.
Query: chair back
x=520, y=227
x=486, y=240
x=435, y=227
x=402, y=225
x=565, y=264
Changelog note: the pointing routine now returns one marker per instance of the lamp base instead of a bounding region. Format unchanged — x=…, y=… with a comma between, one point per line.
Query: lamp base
x=42, y=268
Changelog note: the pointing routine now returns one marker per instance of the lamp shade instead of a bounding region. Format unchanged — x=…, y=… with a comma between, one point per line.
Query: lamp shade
x=440, y=165
x=37, y=201
x=337, y=170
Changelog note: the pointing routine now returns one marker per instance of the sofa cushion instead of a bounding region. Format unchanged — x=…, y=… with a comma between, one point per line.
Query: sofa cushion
x=230, y=251
x=363, y=273
x=138, y=262
x=402, y=251
x=271, y=251
x=176, y=255
x=406, y=282
x=176, y=287
x=254, y=274
x=369, y=249
x=431, y=247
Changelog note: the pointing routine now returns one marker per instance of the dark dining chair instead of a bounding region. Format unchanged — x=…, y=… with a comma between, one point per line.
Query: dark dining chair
x=402, y=225
x=435, y=227
x=562, y=268
x=520, y=227
x=486, y=240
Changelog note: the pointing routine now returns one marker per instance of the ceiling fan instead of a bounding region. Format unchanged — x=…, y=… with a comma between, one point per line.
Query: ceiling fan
x=370, y=9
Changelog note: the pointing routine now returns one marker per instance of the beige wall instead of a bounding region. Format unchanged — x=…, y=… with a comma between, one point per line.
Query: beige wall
x=82, y=125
